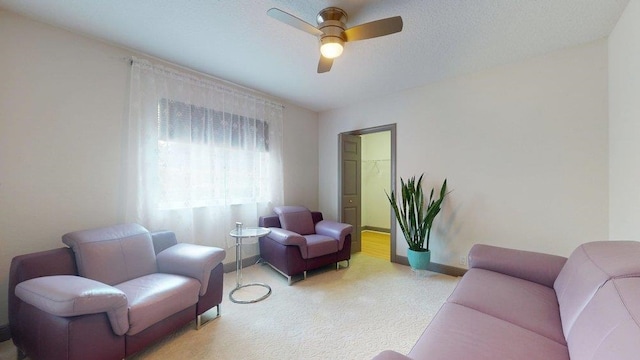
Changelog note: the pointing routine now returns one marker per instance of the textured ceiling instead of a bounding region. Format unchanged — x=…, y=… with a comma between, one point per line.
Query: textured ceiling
x=235, y=40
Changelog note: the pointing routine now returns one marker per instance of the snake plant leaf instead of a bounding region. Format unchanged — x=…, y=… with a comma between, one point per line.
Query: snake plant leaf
x=414, y=215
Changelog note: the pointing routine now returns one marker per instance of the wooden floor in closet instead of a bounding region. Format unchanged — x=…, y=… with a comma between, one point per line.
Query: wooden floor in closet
x=376, y=244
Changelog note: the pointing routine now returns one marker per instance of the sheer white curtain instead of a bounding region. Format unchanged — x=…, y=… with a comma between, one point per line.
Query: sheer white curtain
x=201, y=155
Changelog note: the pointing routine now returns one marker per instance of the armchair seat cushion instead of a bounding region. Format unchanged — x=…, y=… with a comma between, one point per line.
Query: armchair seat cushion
x=156, y=296
x=318, y=245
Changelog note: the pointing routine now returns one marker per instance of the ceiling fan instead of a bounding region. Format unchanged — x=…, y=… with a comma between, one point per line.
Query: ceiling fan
x=333, y=32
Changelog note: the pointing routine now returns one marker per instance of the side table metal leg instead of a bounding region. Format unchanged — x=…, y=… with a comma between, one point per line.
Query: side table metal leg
x=239, y=284
x=238, y=261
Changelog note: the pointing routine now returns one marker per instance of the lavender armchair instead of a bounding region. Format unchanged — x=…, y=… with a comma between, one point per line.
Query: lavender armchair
x=109, y=295
x=300, y=240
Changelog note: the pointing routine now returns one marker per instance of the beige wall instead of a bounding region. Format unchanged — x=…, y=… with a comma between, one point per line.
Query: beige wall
x=63, y=102
x=524, y=147
x=300, y=156
x=624, y=125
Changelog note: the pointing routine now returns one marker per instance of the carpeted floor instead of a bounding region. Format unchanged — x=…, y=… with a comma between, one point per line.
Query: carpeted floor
x=353, y=313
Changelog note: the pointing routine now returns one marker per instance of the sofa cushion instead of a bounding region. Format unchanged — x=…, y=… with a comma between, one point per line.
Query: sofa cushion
x=114, y=254
x=523, y=303
x=296, y=218
x=587, y=269
x=156, y=296
x=608, y=327
x=459, y=332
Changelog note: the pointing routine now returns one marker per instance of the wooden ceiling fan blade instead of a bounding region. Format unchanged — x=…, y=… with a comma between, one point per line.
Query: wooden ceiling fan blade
x=374, y=29
x=294, y=21
x=324, y=64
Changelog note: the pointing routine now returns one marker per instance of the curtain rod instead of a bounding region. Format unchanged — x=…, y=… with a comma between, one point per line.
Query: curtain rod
x=132, y=58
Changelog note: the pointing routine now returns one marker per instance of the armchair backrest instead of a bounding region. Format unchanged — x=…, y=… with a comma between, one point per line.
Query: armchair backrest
x=114, y=254
x=296, y=218
x=274, y=221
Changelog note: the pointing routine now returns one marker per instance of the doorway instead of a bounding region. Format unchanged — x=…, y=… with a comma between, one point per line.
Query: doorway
x=367, y=171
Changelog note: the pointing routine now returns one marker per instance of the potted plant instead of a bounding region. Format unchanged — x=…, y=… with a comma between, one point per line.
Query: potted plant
x=415, y=217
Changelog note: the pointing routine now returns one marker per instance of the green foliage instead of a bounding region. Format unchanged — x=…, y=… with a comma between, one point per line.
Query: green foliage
x=414, y=215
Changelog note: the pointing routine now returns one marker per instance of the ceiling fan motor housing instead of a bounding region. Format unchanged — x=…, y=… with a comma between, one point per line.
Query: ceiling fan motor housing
x=331, y=21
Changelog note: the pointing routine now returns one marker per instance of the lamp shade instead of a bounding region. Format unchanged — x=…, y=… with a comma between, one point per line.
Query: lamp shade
x=331, y=47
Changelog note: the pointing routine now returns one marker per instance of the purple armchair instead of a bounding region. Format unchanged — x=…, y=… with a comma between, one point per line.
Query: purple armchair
x=300, y=240
x=112, y=293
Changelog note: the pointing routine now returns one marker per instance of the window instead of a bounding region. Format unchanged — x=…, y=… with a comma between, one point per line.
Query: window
x=208, y=157
x=201, y=154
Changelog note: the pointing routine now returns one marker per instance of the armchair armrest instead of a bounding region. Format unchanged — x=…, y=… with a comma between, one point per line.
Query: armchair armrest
x=537, y=267
x=286, y=237
x=68, y=295
x=334, y=229
x=195, y=261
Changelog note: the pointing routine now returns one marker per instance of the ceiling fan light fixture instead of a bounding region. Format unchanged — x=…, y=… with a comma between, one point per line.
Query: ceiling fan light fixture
x=333, y=32
x=331, y=47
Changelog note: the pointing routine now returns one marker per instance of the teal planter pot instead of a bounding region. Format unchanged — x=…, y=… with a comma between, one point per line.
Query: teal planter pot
x=419, y=260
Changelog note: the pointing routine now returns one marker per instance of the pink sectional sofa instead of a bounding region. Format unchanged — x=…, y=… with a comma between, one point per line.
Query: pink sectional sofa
x=522, y=305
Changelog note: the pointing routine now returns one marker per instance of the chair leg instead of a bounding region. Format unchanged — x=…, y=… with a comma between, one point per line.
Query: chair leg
x=20, y=355
x=200, y=323
x=289, y=277
x=305, y=275
x=338, y=264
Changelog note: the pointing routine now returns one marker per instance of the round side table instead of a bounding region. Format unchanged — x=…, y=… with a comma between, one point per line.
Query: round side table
x=240, y=233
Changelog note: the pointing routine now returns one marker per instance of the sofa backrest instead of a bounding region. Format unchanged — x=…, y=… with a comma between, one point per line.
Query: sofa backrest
x=588, y=269
x=608, y=327
x=114, y=254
